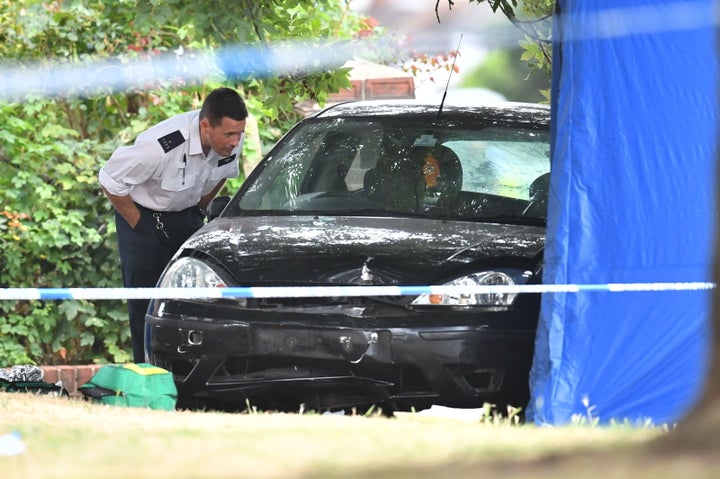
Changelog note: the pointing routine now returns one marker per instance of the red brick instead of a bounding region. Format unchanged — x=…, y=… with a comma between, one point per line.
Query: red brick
x=68, y=378
x=399, y=87
x=355, y=92
x=84, y=373
x=403, y=87
x=51, y=374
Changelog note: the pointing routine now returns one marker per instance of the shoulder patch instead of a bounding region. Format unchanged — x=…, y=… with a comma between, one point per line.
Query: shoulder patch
x=226, y=160
x=171, y=140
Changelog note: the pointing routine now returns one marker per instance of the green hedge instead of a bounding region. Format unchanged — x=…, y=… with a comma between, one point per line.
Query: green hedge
x=56, y=226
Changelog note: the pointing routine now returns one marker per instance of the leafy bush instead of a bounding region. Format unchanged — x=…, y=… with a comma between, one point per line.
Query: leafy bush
x=55, y=232
x=56, y=226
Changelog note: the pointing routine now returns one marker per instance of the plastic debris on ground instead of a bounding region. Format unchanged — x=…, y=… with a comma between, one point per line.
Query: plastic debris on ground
x=476, y=414
x=11, y=444
x=22, y=373
x=29, y=378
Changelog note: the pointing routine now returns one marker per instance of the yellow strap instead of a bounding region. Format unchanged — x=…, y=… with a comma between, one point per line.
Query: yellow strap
x=145, y=371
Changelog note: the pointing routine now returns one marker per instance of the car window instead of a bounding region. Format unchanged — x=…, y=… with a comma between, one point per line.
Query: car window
x=502, y=167
x=403, y=165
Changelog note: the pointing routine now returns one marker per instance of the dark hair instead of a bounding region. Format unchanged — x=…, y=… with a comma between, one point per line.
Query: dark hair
x=221, y=103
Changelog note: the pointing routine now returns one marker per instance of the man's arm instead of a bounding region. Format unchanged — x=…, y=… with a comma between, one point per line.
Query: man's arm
x=205, y=200
x=125, y=206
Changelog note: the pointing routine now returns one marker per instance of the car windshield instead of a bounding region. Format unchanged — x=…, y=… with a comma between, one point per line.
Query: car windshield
x=410, y=166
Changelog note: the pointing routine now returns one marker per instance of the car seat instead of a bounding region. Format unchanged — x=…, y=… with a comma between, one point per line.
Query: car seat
x=538, y=193
x=442, y=171
x=333, y=161
x=442, y=177
x=540, y=187
x=395, y=185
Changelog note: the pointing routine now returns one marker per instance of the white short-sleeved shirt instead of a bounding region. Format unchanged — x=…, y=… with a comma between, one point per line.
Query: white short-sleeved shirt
x=165, y=169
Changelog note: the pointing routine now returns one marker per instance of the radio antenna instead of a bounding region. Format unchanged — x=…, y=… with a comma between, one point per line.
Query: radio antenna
x=447, y=85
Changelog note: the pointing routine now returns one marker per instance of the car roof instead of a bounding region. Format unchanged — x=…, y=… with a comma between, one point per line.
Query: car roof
x=511, y=111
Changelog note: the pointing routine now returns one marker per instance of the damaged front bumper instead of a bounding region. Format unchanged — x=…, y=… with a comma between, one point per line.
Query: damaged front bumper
x=281, y=365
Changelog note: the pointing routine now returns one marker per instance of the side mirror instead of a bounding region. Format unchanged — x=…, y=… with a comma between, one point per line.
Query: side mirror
x=217, y=205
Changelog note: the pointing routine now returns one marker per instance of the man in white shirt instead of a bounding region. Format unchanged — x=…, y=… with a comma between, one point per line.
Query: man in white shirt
x=160, y=185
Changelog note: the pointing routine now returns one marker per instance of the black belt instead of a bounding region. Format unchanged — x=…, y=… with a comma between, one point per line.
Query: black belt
x=173, y=217
x=192, y=209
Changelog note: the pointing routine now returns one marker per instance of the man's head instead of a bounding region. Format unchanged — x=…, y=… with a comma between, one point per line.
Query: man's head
x=222, y=121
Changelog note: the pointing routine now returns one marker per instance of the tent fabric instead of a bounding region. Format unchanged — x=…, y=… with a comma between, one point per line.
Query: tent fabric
x=632, y=200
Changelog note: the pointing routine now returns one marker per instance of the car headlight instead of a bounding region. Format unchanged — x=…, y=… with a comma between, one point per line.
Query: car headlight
x=485, y=278
x=191, y=273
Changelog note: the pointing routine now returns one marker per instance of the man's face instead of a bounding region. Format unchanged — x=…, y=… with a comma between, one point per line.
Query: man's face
x=222, y=138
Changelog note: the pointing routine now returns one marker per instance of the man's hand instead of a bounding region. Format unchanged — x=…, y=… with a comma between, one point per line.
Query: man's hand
x=126, y=207
x=205, y=200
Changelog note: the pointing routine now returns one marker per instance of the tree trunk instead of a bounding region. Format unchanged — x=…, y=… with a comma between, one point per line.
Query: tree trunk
x=700, y=430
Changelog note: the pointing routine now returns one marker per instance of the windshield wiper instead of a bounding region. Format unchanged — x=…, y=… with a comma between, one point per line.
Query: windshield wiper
x=508, y=219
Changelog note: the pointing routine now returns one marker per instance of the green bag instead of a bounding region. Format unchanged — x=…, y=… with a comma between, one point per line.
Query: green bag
x=132, y=385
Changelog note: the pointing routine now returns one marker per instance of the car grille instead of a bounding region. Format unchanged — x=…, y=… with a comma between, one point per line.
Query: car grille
x=407, y=378
x=340, y=301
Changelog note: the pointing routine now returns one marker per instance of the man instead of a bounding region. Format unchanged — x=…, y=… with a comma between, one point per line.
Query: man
x=160, y=185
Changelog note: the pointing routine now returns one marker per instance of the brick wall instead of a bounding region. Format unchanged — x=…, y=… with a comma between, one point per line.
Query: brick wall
x=71, y=376
x=377, y=88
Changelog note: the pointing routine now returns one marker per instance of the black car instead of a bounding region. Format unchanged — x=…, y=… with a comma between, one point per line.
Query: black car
x=369, y=193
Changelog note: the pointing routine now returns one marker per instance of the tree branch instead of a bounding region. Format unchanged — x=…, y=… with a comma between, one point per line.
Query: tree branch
x=437, y=6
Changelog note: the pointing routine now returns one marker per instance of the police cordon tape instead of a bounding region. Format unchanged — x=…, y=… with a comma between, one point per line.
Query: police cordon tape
x=17, y=294
x=102, y=76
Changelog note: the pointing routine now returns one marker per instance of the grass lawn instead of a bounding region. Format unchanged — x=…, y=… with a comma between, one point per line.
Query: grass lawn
x=73, y=438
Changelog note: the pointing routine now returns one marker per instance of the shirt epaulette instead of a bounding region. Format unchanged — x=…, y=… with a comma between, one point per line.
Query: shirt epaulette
x=171, y=140
x=226, y=160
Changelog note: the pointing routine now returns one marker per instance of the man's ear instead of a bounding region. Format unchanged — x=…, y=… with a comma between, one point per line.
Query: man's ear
x=204, y=125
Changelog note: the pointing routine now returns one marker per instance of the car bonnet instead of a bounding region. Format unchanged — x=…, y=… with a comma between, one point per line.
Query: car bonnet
x=359, y=250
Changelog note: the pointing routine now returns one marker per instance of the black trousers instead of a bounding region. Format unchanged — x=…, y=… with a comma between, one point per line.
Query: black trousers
x=144, y=253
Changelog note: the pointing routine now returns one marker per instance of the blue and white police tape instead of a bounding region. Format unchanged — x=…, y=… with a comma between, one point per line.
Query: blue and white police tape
x=329, y=291
x=50, y=78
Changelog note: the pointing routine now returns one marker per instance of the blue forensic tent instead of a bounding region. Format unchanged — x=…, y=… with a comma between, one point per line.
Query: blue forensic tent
x=632, y=201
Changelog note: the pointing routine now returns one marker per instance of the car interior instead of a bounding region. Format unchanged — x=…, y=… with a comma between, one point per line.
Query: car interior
x=366, y=167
